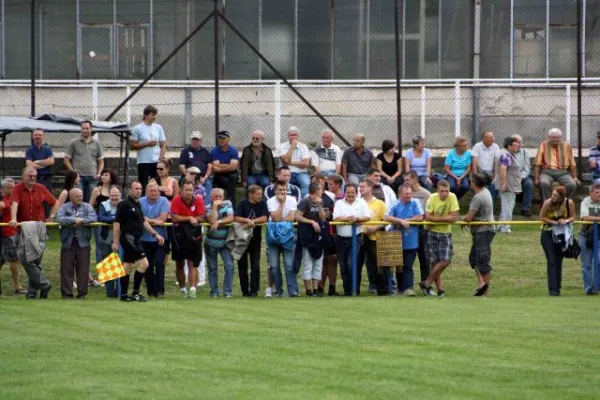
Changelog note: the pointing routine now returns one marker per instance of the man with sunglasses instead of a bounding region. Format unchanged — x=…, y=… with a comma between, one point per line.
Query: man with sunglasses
x=257, y=163
x=196, y=155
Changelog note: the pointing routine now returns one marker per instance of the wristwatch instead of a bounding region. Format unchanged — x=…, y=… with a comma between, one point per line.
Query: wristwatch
x=154, y=234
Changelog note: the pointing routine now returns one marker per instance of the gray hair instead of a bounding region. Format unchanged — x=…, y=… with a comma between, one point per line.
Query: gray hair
x=359, y=135
x=554, y=132
x=217, y=191
x=293, y=129
x=259, y=132
x=518, y=137
x=325, y=131
x=6, y=181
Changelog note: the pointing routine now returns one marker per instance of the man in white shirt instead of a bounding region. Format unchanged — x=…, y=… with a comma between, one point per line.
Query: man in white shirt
x=148, y=138
x=350, y=210
x=326, y=158
x=297, y=157
x=381, y=191
x=282, y=208
x=484, y=156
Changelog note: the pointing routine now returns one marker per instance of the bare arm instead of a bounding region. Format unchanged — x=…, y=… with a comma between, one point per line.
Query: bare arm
x=94, y=196
x=345, y=171
x=67, y=163
x=543, y=213
x=287, y=157
x=571, y=206
x=396, y=221
x=449, y=218
x=38, y=164
x=100, y=166
x=474, y=164
x=182, y=169
x=163, y=149
x=449, y=172
x=135, y=145
x=427, y=168
x=399, y=167
x=503, y=182
x=277, y=214
x=380, y=168
x=467, y=172
x=13, y=211
x=161, y=219
x=470, y=215
x=536, y=174
x=116, y=235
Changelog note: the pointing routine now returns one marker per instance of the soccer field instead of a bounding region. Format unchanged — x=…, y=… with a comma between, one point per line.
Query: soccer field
x=519, y=343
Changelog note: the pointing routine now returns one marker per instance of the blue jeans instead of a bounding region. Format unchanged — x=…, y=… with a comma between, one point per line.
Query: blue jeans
x=587, y=266
x=302, y=180
x=406, y=280
x=492, y=188
x=527, y=187
x=261, y=180
x=208, y=186
x=87, y=183
x=423, y=182
x=211, y=262
x=274, y=251
x=454, y=188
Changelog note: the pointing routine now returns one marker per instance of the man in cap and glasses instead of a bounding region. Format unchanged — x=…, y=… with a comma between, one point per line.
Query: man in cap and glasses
x=225, y=159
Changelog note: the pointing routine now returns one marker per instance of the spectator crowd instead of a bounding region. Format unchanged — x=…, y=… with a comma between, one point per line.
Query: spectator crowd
x=308, y=200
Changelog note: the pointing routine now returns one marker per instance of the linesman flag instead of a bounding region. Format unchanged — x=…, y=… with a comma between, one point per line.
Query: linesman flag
x=110, y=268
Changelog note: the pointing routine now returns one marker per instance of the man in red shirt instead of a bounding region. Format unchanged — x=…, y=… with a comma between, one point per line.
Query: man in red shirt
x=188, y=212
x=27, y=204
x=9, y=245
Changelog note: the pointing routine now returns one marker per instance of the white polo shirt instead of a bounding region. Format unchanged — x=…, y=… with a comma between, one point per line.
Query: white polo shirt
x=358, y=209
x=486, y=156
x=289, y=206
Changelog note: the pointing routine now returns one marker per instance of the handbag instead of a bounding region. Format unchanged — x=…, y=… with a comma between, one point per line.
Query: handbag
x=573, y=250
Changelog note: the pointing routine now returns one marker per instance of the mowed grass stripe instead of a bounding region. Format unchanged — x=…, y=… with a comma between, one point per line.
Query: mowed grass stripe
x=355, y=348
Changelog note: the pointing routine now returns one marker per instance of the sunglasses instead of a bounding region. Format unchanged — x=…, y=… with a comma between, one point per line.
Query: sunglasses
x=160, y=169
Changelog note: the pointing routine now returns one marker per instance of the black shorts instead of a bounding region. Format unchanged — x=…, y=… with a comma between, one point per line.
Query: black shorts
x=331, y=250
x=132, y=248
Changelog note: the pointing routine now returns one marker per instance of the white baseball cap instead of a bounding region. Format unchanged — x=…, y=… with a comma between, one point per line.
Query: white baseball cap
x=196, y=135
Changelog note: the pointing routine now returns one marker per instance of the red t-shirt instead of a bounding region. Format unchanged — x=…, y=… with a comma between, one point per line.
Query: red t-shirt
x=5, y=218
x=195, y=209
x=31, y=202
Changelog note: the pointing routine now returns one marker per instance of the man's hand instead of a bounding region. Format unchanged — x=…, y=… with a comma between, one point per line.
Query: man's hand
x=244, y=183
x=458, y=180
x=316, y=226
x=281, y=198
x=294, y=144
x=577, y=182
x=12, y=223
x=203, y=179
x=352, y=219
x=404, y=223
x=160, y=240
x=217, y=203
x=536, y=181
x=151, y=143
x=504, y=187
x=250, y=224
x=193, y=221
x=78, y=221
x=115, y=247
x=451, y=218
x=214, y=226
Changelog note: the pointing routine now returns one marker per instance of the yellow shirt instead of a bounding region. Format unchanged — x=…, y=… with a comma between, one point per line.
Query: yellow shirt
x=378, y=210
x=441, y=208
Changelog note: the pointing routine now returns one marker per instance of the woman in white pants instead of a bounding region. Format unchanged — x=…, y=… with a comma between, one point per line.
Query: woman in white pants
x=509, y=178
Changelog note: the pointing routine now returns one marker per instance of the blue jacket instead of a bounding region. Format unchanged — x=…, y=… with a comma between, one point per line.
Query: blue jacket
x=66, y=216
x=281, y=234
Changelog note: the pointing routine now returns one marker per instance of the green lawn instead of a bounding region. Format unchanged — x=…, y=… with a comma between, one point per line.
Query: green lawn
x=518, y=343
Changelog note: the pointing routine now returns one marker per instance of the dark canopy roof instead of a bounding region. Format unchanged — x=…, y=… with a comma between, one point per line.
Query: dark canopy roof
x=58, y=123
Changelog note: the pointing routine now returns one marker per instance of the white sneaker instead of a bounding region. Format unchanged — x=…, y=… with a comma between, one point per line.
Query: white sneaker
x=74, y=285
x=184, y=293
x=201, y=283
x=192, y=294
x=409, y=293
x=268, y=292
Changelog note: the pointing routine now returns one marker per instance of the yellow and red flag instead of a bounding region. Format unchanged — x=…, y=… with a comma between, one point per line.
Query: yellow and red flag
x=110, y=268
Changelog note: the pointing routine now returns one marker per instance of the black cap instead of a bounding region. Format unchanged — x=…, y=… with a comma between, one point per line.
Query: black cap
x=223, y=134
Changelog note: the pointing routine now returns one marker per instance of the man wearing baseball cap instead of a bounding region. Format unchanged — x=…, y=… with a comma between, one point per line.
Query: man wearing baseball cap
x=195, y=155
x=225, y=159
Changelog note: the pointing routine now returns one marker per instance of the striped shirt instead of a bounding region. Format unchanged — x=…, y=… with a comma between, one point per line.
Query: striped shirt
x=557, y=158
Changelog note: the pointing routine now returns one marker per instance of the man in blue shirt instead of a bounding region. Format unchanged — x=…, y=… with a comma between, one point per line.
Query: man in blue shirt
x=225, y=159
x=148, y=138
x=196, y=155
x=401, y=214
x=219, y=216
x=156, y=210
x=40, y=157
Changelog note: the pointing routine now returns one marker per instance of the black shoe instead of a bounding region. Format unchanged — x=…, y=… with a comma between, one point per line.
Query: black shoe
x=426, y=289
x=44, y=292
x=294, y=295
x=81, y=297
x=66, y=297
x=526, y=213
x=139, y=298
x=441, y=293
x=480, y=291
x=253, y=294
x=126, y=298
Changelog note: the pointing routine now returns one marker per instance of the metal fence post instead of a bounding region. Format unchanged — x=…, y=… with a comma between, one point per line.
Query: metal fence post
x=423, y=112
x=596, y=266
x=95, y=101
x=568, y=114
x=457, y=108
x=128, y=106
x=354, y=250
x=277, y=112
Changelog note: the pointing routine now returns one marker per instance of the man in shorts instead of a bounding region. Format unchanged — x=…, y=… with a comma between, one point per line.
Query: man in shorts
x=8, y=253
x=441, y=207
x=128, y=228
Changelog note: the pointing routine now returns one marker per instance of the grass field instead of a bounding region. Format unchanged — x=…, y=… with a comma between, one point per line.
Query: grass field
x=518, y=343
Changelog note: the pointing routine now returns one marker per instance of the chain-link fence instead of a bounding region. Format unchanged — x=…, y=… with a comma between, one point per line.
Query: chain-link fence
x=465, y=66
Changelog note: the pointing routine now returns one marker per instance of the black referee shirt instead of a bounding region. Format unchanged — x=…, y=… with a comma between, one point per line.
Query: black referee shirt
x=130, y=216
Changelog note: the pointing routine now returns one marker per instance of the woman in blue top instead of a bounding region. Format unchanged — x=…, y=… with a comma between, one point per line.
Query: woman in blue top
x=458, y=167
x=418, y=159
